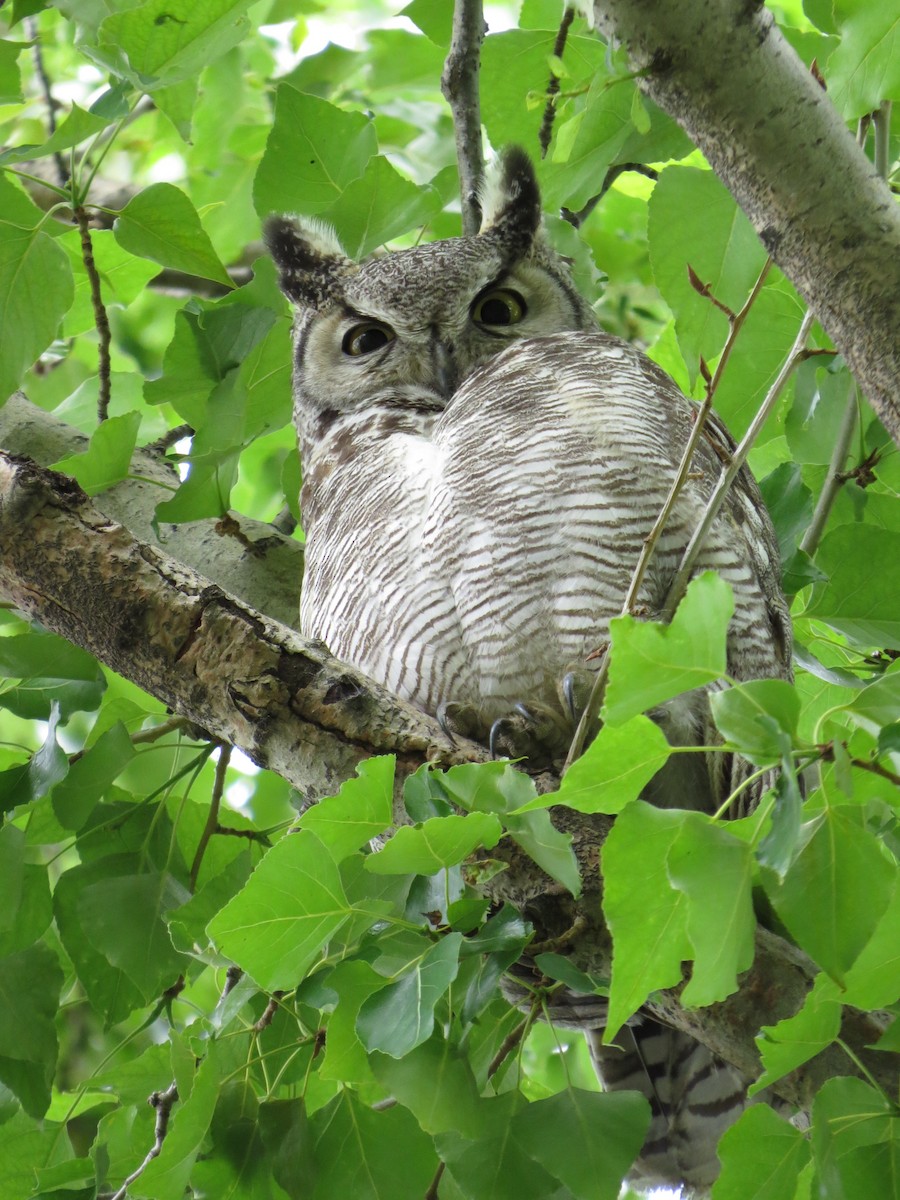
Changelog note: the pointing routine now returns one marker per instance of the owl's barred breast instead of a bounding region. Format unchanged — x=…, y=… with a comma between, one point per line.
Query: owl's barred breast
x=477, y=554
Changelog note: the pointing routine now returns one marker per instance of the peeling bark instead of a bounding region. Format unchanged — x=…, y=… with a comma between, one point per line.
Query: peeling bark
x=722, y=69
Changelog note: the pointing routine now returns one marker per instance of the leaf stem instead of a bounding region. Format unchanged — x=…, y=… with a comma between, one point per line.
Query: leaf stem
x=834, y=480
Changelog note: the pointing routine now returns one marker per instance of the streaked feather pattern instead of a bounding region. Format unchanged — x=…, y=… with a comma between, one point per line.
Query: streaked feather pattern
x=476, y=494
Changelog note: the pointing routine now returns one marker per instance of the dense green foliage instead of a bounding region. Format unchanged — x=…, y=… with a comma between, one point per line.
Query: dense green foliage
x=120, y=914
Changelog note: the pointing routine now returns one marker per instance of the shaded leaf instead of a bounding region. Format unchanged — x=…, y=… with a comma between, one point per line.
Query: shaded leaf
x=360, y=811
x=762, y=1156
x=438, y=843
x=401, y=1016
x=161, y=223
x=293, y=903
x=107, y=459
x=652, y=662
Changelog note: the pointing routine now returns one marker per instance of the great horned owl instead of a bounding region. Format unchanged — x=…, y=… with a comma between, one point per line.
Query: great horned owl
x=480, y=468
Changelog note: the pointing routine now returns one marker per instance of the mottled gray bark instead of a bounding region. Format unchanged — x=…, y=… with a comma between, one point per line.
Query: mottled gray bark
x=722, y=69
x=251, y=560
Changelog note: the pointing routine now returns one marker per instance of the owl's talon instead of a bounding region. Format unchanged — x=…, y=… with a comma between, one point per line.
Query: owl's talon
x=568, y=691
x=459, y=720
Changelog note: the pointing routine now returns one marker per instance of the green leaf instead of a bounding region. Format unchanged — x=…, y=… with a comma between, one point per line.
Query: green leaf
x=646, y=915
x=346, y=1059
x=30, y=983
x=555, y=966
x=714, y=870
x=874, y=979
x=25, y=905
x=162, y=42
x=401, y=1016
x=89, y=776
x=547, y=846
x=856, y=1141
x=797, y=1039
x=864, y=68
x=355, y=1152
x=166, y=1177
x=30, y=781
x=24, y=1148
x=313, y=152
x=652, y=662
x=757, y=718
x=836, y=891
x=10, y=78
x=35, y=292
x=379, y=206
x=293, y=903
x=161, y=224
x=860, y=597
x=435, y=1082
x=693, y=221
x=123, y=917
x=360, y=811
x=879, y=702
x=438, y=843
x=108, y=988
x=108, y=457
x=587, y=1140
x=613, y=770
x=762, y=1156
x=498, y=1163
x=50, y=670
x=76, y=127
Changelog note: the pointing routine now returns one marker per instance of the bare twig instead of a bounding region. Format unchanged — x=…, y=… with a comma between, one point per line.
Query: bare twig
x=546, y=131
x=268, y=1013
x=212, y=817
x=510, y=1042
x=728, y=476
x=62, y=171
x=173, y=725
x=168, y=439
x=609, y=179
x=100, y=318
x=163, y=1102
x=835, y=478
x=459, y=84
x=736, y=321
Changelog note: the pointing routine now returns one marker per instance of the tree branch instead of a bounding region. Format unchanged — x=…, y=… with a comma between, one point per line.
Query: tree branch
x=722, y=69
x=459, y=84
x=263, y=567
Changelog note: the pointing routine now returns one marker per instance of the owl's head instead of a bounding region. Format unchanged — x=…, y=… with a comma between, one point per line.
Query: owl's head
x=406, y=328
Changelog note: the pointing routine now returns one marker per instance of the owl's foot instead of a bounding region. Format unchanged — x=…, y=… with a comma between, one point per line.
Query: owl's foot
x=460, y=720
x=531, y=731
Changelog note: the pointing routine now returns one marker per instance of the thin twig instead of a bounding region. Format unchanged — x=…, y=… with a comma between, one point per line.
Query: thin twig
x=546, y=131
x=163, y=1102
x=578, y=219
x=153, y=735
x=728, y=476
x=595, y=701
x=62, y=171
x=432, y=1191
x=459, y=84
x=168, y=439
x=212, y=817
x=100, y=318
x=835, y=478
x=509, y=1044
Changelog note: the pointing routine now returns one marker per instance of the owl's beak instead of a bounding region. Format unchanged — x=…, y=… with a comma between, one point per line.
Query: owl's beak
x=446, y=371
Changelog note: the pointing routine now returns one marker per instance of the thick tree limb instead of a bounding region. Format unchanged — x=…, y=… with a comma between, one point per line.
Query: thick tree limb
x=250, y=559
x=722, y=69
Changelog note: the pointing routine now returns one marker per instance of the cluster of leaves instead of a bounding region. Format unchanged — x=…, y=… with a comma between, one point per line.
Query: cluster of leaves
x=131, y=885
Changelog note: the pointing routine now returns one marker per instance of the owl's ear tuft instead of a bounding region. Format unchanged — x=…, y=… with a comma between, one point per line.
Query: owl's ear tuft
x=309, y=258
x=511, y=202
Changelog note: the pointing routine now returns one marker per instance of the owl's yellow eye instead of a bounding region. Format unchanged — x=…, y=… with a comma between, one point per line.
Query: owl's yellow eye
x=499, y=306
x=363, y=339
